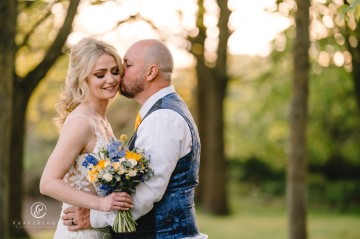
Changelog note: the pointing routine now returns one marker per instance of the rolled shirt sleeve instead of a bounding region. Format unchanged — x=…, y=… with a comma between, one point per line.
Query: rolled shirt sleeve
x=99, y=219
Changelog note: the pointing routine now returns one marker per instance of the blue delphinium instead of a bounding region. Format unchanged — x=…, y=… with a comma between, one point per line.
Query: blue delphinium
x=113, y=150
x=105, y=189
x=89, y=159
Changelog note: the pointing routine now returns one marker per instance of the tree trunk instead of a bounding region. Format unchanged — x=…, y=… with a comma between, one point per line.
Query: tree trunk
x=214, y=199
x=297, y=162
x=8, y=11
x=23, y=88
x=355, y=53
x=17, y=144
x=211, y=90
x=197, y=49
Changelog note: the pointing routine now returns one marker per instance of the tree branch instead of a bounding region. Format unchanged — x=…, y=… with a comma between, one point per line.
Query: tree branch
x=28, y=35
x=32, y=79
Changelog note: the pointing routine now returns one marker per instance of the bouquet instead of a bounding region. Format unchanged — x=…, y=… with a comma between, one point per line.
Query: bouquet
x=116, y=168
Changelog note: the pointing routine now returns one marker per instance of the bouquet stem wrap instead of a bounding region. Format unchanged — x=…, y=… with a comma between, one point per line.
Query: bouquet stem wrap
x=124, y=222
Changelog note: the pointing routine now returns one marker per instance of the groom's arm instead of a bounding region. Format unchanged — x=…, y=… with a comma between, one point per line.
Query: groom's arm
x=99, y=219
x=84, y=218
x=166, y=136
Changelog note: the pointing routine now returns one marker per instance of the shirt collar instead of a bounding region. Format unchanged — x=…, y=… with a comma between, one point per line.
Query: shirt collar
x=154, y=98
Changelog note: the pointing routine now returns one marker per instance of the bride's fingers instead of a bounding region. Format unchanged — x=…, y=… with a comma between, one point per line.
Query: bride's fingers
x=121, y=198
x=124, y=200
x=122, y=194
x=121, y=207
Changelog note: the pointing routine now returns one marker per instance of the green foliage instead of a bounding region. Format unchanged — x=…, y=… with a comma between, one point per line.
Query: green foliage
x=256, y=113
x=350, y=9
x=339, y=195
x=258, y=174
x=256, y=177
x=334, y=128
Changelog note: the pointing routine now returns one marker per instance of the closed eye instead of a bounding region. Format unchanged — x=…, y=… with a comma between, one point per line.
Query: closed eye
x=100, y=76
x=115, y=71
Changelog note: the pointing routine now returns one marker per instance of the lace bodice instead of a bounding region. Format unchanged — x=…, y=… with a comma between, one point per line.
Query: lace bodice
x=76, y=176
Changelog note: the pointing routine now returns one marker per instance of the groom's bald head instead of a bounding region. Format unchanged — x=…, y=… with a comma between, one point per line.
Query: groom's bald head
x=154, y=52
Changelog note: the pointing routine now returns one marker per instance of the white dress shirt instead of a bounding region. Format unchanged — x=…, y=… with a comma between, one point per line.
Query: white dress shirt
x=165, y=135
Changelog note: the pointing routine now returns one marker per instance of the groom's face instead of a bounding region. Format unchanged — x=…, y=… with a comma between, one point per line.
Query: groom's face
x=132, y=82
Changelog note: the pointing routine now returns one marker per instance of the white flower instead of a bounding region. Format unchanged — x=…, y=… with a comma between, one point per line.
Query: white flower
x=121, y=171
x=133, y=162
x=108, y=177
x=132, y=173
x=107, y=163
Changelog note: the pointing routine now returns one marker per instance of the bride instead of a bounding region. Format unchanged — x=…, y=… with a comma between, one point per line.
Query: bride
x=92, y=80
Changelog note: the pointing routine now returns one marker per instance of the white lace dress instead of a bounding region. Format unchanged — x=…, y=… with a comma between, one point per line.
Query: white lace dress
x=76, y=177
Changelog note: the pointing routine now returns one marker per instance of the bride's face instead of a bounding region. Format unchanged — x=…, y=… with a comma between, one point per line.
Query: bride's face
x=104, y=78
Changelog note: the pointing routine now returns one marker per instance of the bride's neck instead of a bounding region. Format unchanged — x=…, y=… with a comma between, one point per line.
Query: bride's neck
x=98, y=108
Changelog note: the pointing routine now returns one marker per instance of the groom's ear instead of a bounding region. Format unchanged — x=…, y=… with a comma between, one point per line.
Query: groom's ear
x=152, y=72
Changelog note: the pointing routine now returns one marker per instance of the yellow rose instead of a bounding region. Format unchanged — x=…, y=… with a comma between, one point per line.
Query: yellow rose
x=132, y=155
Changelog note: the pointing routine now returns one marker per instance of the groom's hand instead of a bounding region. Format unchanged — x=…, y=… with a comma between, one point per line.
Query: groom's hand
x=76, y=218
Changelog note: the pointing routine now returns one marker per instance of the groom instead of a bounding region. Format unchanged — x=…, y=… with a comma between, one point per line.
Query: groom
x=164, y=205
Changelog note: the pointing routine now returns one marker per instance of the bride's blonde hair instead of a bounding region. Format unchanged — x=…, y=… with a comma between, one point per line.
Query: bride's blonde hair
x=82, y=58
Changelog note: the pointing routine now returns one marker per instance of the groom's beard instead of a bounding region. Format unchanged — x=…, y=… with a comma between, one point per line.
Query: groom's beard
x=133, y=89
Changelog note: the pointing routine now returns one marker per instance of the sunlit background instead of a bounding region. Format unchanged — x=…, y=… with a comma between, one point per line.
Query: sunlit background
x=253, y=23
x=256, y=105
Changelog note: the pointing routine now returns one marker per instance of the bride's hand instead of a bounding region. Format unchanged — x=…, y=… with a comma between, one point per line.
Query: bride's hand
x=116, y=201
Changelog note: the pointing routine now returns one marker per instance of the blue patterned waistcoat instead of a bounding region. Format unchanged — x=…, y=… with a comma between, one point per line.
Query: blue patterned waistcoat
x=174, y=215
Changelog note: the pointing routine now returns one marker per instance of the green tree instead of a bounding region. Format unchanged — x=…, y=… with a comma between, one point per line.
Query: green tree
x=24, y=86
x=8, y=11
x=297, y=158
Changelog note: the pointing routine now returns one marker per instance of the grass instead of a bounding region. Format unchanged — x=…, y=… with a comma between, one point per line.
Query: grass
x=256, y=217
x=274, y=226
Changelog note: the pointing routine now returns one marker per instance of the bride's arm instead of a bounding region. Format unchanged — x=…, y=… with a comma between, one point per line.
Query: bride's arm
x=75, y=137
